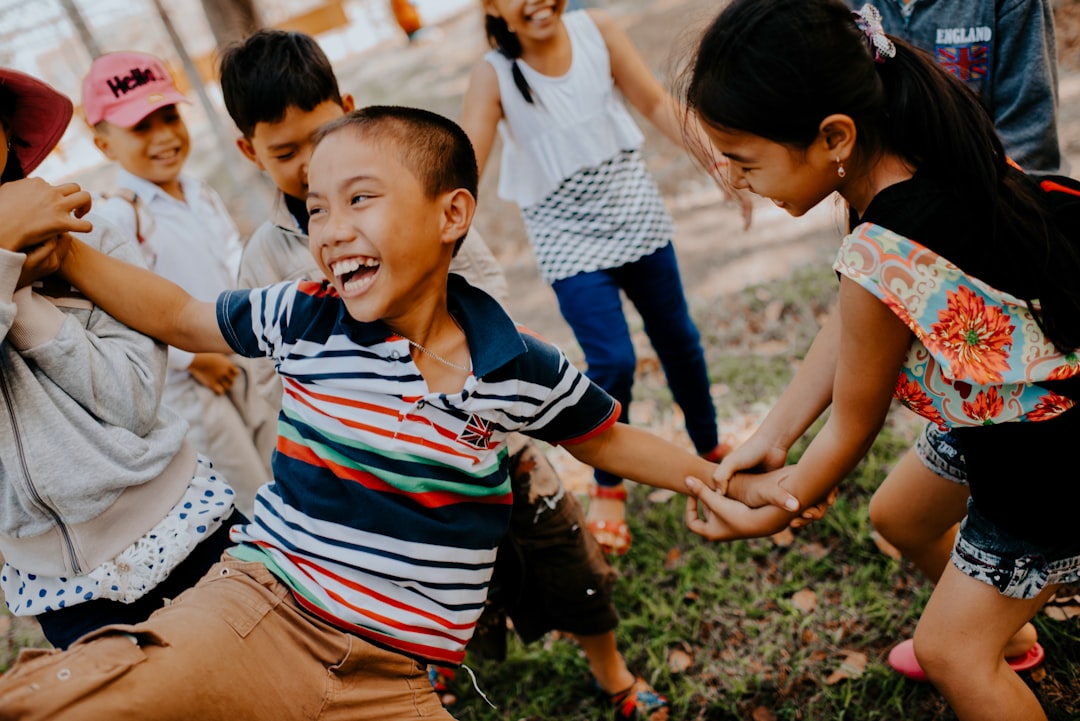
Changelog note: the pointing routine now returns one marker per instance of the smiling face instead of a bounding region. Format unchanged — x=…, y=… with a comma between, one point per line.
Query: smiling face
x=374, y=231
x=154, y=149
x=794, y=180
x=528, y=19
x=283, y=148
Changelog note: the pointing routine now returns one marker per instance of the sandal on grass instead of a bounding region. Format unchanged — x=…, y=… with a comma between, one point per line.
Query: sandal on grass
x=902, y=659
x=613, y=535
x=640, y=702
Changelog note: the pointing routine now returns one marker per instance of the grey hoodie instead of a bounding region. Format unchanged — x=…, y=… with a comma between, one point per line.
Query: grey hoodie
x=90, y=459
x=1004, y=50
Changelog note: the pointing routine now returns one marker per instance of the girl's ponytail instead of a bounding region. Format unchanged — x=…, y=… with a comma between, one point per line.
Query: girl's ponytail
x=940, y=125
x=502, y=39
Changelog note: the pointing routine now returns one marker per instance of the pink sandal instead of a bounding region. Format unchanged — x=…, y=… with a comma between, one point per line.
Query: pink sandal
x=902, y=659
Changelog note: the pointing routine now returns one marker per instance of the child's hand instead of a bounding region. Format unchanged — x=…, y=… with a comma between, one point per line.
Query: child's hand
x=815, y=512
x=753, y=490
x=762, y=489
x=34, y=212
x=43, y=259
x=719, y=518
x=214, y=370
x=755, y=455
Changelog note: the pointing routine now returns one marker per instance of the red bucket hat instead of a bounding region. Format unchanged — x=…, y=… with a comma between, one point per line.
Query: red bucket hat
x=41, y=116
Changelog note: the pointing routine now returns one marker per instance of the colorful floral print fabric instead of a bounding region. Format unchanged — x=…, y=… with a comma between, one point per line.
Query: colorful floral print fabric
x=978, y=352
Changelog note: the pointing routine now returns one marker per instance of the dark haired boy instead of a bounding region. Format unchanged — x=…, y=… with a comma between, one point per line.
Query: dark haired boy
x=370, y=553
x=279, y=87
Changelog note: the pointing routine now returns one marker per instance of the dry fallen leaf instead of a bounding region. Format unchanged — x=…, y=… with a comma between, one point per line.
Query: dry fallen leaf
x=673, y=559
x=1061, y=613
x=763, y=714
x=679, y=660
x=853, y=666
x=804, y=600
x=814, y=550
x=784, y=538
x=1063, y=607
x=661, y=495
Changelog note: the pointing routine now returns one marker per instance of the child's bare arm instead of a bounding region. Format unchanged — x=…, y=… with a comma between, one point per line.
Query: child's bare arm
x=633, y=453
x=481, y=111
x=872, y=345
x=144, y=300
x=641, y=88
x=641, y=456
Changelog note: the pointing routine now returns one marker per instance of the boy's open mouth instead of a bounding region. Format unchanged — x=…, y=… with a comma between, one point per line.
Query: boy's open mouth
x=354, y=274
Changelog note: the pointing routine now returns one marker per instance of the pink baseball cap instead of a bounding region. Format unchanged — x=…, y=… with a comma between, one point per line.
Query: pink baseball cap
x=42, y=114
x=123, y=88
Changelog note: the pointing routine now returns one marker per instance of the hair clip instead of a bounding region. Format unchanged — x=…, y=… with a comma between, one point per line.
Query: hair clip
x=869, y=21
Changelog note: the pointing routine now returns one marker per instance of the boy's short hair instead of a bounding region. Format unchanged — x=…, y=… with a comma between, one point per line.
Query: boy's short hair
x=272, y=71
x=434, y=148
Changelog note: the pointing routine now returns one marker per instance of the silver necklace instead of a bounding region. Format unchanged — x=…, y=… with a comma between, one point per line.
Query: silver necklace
x=436, y=356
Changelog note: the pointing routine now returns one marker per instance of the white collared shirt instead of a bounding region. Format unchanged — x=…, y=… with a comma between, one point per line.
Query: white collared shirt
x=192, y=242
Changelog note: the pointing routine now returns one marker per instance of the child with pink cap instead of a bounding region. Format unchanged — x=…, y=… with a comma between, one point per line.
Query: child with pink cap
x=186, y=235
x=107, y=511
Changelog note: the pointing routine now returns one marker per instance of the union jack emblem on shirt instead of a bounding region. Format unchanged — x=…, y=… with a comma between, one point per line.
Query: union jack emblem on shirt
x=477, y=433
x=966, y=62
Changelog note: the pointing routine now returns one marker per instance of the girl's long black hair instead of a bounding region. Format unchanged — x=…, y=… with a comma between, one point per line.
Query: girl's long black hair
x=500, y=38
x=777, y=68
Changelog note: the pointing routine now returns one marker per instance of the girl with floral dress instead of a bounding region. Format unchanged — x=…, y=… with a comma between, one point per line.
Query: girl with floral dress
x=957, y=295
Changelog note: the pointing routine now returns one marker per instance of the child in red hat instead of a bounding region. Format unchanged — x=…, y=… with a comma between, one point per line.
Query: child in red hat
x=107, y=511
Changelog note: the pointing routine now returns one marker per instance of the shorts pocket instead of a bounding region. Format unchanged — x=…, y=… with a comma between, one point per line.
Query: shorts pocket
x=43, y=684
x=239, y=593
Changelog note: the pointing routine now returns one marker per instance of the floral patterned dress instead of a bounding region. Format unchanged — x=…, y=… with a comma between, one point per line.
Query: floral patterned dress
x=978, y=354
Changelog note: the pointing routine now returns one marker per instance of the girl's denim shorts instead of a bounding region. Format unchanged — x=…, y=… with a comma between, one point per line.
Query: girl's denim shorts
x=940, y=453
x=1016, y=568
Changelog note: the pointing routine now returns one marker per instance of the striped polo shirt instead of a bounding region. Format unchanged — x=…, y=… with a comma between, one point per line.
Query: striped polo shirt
x=389, y=501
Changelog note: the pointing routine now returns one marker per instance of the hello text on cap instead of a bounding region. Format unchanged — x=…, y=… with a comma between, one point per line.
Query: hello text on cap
x=123, y=88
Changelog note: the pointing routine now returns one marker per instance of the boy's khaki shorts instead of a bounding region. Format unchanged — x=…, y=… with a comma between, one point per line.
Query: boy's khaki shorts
x=236, y=646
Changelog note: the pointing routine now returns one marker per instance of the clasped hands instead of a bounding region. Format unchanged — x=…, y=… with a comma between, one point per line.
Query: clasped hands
x=746, y=497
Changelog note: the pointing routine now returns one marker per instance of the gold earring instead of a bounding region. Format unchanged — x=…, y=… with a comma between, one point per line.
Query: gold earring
x=840, y=168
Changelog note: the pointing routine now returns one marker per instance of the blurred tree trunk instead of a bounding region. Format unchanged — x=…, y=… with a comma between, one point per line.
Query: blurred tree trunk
x=231, y=20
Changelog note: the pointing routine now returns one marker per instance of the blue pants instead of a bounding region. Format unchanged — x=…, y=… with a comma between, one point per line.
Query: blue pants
x=592, y=305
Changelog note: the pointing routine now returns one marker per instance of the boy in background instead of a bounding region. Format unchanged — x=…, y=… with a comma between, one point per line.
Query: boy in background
x=186, y=235
x=279, y=88
x=107, y=511
x=371, y=551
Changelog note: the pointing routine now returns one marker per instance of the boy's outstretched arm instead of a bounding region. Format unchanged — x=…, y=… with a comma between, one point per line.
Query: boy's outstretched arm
x=143, y=300
x=641, y=456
